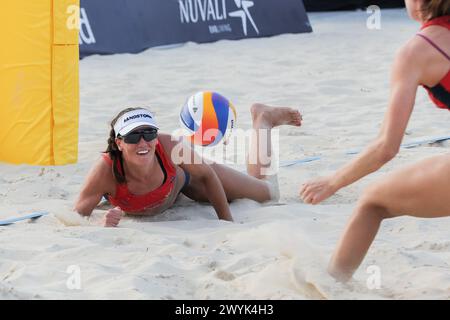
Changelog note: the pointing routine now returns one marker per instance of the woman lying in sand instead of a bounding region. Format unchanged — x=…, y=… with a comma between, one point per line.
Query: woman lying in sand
x=138, y=175
x=419, y=190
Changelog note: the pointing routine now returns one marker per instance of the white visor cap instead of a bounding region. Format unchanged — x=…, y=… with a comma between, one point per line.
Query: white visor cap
x=133, y=119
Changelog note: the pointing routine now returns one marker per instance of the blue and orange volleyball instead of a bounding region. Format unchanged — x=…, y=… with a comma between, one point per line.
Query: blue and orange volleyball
x=208, y=118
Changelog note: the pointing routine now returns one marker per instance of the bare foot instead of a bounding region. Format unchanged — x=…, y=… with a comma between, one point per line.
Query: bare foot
x=271, y=117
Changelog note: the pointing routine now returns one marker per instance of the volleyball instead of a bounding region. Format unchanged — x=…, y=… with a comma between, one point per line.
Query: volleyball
x=208, y=118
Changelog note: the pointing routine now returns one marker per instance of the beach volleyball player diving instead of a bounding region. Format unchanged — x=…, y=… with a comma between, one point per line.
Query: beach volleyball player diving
x=139, y=177
x=418, y=190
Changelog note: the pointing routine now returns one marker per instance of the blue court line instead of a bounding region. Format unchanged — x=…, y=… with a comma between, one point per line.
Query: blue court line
x=294, y=162
x=408, y=145
x=428, y=141
x=33, y=215
x=36, y=215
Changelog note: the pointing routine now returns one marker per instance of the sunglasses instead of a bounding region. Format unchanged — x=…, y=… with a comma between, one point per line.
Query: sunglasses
x=135, y=136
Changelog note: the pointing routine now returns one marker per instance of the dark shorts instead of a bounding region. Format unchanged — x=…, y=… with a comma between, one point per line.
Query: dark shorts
x=187, y=179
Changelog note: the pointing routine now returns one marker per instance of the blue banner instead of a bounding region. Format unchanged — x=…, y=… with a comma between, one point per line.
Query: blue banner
x=131, y=26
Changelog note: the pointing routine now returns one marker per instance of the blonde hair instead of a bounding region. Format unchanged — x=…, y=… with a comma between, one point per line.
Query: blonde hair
x=432, y=9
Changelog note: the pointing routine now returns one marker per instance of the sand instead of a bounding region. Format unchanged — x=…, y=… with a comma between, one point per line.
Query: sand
x=337, y=76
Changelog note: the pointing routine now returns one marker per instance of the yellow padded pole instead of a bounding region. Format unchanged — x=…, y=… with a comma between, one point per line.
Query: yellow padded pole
x=39, y=89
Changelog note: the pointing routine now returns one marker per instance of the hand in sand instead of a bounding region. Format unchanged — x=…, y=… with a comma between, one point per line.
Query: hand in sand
x=112, y=217
x=317, y=190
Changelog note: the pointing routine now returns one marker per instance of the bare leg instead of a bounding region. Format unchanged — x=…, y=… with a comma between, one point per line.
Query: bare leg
x=266, y=118
x=250, y=186
x=419, y=190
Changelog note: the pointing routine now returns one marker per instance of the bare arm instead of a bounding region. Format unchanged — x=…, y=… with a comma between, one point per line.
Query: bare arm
x=385, y=147
x=183, y=156
x=211, y=182
x=93, y=189
x=406, y=74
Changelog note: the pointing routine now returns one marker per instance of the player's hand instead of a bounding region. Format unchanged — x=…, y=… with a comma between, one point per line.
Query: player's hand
x=316, y=190
x=112, y=217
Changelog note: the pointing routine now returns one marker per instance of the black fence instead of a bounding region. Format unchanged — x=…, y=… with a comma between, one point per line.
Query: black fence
x=330, y=5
